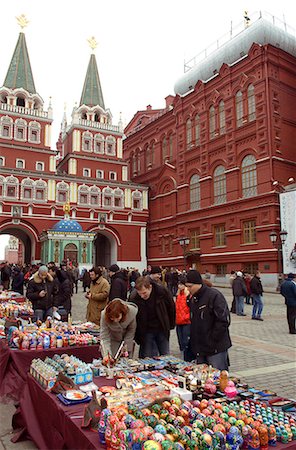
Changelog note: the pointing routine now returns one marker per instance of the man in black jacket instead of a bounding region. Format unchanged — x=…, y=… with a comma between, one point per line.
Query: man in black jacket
x=155, y=318
x=118, y=283
x=40, y=293
x=256, y=293
x=210, y=320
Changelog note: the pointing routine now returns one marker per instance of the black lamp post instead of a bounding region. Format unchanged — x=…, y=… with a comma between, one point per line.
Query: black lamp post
x=184, y=241
x=278, y=238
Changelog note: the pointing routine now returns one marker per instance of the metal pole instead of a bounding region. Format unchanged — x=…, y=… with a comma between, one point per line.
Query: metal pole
x=184, y=257
x=279, y=265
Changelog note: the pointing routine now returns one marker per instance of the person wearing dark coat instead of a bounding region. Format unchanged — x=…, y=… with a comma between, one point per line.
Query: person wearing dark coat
x=210, y=321
x=118, y=283
x=85, y=277
x=40, y=293
x=239, y=290
x=64, y=291
x=256, y=293
x=155, y=318
x=17, y=280
x=288, y=291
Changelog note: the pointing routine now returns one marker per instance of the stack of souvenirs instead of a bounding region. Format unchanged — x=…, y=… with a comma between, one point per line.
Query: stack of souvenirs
x=51, y=334
x=46, y=372
x=12, y=309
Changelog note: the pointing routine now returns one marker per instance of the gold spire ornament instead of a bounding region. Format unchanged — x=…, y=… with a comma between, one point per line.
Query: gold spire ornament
x=92, y=43
x=22, y=21
x=247, y=19
x=67, y=208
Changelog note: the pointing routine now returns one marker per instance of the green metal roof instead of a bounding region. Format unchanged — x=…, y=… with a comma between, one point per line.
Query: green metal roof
x=92, y=92
x=19, y=74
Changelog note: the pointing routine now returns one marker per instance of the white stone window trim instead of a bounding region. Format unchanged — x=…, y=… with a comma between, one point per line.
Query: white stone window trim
x=62, y=187
x=11, y=181
x=137, y=195
x=34, y=126
x=2, y=161
x=87, y=136
x=27, y=183
x=22, y=161
x=20, y=124
x=112, y=176
x=7, y=121
x=42, y=166
x=38, y=186
x=86, y=172
x=100, y=139
x=118, y=194
x=107, y=193
x=110, y=140
x=83, y=190
x=97, y=174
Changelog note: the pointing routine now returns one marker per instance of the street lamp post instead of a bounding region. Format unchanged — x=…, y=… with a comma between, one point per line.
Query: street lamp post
x=278, y=238
x=184, y=241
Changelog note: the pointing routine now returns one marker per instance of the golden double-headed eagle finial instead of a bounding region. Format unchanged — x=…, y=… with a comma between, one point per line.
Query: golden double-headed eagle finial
x=22, y=21
x=67, y=208
x=92, y=43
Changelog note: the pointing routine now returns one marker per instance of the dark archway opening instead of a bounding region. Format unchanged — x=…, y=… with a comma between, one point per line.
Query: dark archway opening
x=102, y=249
x=71, y=253
x=26, y=256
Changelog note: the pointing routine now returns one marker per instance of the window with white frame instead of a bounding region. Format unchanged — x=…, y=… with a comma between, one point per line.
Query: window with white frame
x=221, y=117
x=112, y=176
x=20, y=164
x=20, y=130
x=107, y=197
x=6, y=127
x=87, y=141
x=27, y=188
x=83, y=195
x=219, y=185
x=110, y=146
x=39, y=166
x=11, y=187
x=2, y=161
x=40, y=190
x=239, y=108
x=34, y=132
x=188, y=134
x=137, y=200
x=94, y=193
x=100, y=174
x=62, y=192
x=251, y=103
x=86, y=172
x=99, y=144
x=212, y=122
x=118, y=198
x=249, y=176
x=194, y=192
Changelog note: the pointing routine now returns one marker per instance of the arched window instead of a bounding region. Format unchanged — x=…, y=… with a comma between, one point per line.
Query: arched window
x=171, y=147
x=134, y=163
x=110, y=146
x=107, y=197
x=40, y=190
x=62, y=192
x=6, y=127
x=239, y=109
x=137, y=200
x=87, y=141
x=219, y=185
x=197, y=129
x=2, y=181
x=188, y=134
x=94, y=193
x=164, y=149
x=249, y=176
x=20, y=130
x=150, y=156
x=118, y=198
x=251, y=104
x=2, y=161
x=97, y=117
x=99, y=144
x=34, y=132
x=194, y=192
x=222, y=117
x=83, y=195
x=11, y=187
x=212, y=125
x=83, y=115
x=20, y=101
x=27, y=189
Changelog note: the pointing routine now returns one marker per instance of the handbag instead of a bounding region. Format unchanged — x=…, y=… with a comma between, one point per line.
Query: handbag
x=62, y=384
x=92, y=412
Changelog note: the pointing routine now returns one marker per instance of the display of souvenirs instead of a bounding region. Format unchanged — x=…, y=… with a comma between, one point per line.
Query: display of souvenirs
x=51, y=334
x=11, y=308
x=79, y=371
x=11, y=295
x=206, y=424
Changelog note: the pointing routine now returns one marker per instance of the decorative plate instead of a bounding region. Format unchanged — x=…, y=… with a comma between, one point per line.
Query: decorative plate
x=74, y=395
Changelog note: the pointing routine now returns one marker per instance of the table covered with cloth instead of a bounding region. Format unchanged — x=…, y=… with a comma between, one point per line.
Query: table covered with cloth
x=42, y=418
x=15, y=364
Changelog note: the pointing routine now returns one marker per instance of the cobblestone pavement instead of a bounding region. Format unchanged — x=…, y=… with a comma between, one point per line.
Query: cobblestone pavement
x=263, y=354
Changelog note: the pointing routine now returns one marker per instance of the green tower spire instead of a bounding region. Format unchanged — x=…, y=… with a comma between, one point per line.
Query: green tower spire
x=19, y=74
x=92, y=92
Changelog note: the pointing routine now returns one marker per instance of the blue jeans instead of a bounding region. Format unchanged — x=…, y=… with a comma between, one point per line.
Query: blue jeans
x=258, y=305
x=156, y=344
x=42, y=314
x=219, y=361
x=183, y=334
x=239, y=304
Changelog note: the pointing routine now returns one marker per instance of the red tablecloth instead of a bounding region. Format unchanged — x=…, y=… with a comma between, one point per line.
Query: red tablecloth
x=50, y=424
x=15, y=364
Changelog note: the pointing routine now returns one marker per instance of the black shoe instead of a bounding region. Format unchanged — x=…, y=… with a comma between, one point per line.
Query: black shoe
x=254, y=318
x=292, y=332
x=259, y=318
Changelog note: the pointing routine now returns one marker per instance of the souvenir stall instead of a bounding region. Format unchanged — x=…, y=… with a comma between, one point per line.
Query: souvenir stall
x=153, y=404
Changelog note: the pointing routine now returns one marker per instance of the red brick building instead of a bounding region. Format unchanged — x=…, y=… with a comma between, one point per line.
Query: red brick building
x=87, y=171
x=214, y=157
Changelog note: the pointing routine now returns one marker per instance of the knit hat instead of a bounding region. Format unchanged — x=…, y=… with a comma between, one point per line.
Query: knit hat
x=193, y=277
x=182, y=280
x=43, y=269
x=239, y=274
x=291, y=275
x=155, y=269
x=114, y=268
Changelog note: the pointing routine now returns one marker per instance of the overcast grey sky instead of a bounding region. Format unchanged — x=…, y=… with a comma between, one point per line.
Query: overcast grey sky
x=141, y=46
